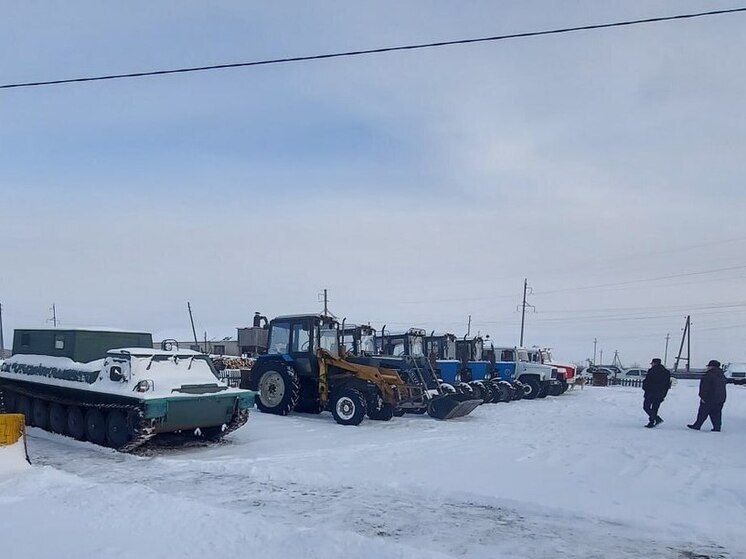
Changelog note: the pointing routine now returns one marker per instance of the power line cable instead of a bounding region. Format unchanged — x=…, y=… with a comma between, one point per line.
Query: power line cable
x=381, y=50
x=631, y=282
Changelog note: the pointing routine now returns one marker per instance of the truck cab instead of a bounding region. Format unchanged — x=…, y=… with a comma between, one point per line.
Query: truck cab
x=514, y=363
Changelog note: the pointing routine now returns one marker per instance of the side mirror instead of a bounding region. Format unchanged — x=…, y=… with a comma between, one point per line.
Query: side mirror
x=115, y=374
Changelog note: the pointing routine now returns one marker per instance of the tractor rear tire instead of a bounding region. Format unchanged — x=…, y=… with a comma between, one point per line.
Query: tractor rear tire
x=382, y=413
x=488, y=392
x=58, y=419
x=76, y=423
x=278, y=391
x=348, y=406
x=95, y=426
x=531, y=388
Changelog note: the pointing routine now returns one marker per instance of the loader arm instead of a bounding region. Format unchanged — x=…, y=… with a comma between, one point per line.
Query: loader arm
x=384, y=379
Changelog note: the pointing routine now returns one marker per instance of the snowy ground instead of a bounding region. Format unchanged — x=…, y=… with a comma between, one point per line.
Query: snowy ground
x=573, y=476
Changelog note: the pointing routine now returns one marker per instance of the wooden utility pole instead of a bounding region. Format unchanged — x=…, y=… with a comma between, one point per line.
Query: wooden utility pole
x=468, y=327
x=54, y=315
x=326, y=303
x=686, y=336
x=665, y=353
x=191, y=319
x=595, y=344
x=523, y=306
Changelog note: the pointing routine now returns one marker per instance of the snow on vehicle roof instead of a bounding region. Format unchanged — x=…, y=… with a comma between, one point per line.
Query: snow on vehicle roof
x=84, y=329
x=149, y=352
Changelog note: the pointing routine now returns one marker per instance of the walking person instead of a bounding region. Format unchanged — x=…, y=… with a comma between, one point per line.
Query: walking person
x=656, y=385
x=712, y=395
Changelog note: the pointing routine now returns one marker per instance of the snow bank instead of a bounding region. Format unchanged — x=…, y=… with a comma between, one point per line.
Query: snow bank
x=12, y=459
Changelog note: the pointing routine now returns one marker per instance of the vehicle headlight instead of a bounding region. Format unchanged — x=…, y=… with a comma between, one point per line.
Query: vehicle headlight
x=488, y=376
x=457, y=378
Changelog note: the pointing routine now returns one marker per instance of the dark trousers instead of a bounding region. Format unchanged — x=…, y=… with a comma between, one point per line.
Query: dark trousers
x=715, y=413
x=651, y=405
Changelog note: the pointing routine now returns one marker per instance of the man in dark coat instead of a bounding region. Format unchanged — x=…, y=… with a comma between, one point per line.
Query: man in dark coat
x=712, y=394
x=656, y=385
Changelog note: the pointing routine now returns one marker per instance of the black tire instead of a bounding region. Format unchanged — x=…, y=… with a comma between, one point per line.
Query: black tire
x=555, y=390
x=531, y=388
x=278, y=391
x=543, y=391
x=24, y=406
x=447, y=388
x=500, y=394
x=384, y=413
x=76, y=423
x=488, y=392
x=95, y=426
x=565, y=386
x=39, y=413
x=9, y=400
x=118, y=432
x=465, y=389
x=398, y=412
x=518, y=391
x=58, y=419
x=348, y=406
x=477, y=390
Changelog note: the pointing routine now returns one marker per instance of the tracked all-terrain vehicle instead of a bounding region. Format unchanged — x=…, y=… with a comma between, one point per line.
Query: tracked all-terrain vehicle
x=305, y=371
x=114, y=389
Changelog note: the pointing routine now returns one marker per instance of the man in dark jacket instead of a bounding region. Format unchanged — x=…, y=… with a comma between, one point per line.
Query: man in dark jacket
x=656, y=385
x=711, y=397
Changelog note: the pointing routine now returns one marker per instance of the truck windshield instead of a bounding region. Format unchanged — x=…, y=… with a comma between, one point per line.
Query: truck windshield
x=523, y=355
x=368, y=345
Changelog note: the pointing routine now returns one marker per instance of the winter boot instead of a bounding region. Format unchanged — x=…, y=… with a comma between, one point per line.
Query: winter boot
x=693, y=427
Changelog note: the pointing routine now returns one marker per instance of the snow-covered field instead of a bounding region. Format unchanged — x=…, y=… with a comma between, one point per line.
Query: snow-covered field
x=566, y=477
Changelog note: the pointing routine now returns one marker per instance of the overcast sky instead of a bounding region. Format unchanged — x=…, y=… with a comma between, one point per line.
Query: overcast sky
x=418, y=187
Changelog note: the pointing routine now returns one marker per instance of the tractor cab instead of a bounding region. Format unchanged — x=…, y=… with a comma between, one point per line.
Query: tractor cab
x=411, y=342
x=357, y=340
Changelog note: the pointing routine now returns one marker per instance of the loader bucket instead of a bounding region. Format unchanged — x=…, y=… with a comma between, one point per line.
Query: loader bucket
x=449, y=406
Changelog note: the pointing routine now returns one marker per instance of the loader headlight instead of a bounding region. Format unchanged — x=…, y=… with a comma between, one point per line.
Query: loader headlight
x=144, y=386
x=457, y=378
x=488, y=376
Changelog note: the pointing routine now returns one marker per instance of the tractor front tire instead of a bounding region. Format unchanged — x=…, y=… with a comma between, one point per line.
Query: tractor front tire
x=348, y=406
x=278, y=391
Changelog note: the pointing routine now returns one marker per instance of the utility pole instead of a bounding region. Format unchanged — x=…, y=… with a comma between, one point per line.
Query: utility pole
x=326, y=303
x=595, y=343
x=523, y=306
x=601, y=358
x=665, y=353
x=191, y=319
x=54, y=315
x=686, y=336
x=2, y=340
x=468, y=327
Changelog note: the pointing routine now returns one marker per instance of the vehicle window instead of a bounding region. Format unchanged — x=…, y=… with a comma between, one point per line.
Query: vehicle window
x=506, y=355
x=634, y=373
x=329, y=338
x=301, y=338
x=416, y=346
x=398, y=350
x=523, y=356
x=279, y=336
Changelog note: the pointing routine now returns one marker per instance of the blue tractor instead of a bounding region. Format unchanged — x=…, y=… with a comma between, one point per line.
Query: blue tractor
x=304, y=370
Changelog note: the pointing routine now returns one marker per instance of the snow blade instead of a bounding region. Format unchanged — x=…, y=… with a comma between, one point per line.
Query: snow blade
x=450, y=406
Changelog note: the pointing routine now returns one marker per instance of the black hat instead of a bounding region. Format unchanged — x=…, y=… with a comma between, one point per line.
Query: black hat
x=655, y=361
x=714, y=363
